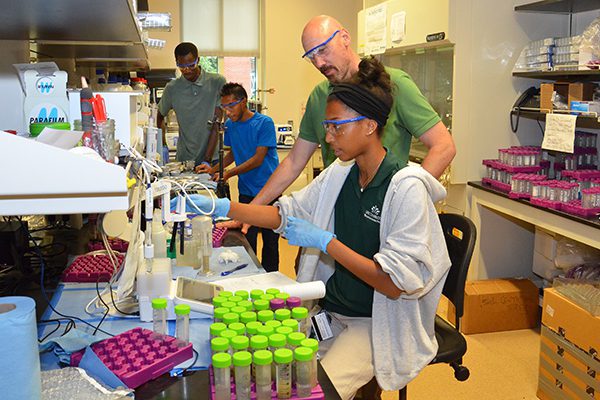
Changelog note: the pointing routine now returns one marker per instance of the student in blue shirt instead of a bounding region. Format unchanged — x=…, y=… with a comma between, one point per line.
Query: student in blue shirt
x=251, y=136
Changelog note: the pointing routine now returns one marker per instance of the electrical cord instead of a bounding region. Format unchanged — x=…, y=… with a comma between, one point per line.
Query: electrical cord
x=45, y=295
x=105, y=305
x=184, y=372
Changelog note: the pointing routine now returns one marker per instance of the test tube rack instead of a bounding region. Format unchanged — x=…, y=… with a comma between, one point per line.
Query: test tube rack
x=137, y=355
x=91, y=268
x=218, y=234
x=316, y=394
x=116, y=244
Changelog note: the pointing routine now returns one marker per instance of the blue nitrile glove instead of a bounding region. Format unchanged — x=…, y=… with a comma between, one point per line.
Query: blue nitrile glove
x=205, y=204
x=302, y=233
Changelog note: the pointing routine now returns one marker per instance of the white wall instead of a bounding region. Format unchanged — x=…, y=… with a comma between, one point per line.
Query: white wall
x=285, y=70
x=11, y=100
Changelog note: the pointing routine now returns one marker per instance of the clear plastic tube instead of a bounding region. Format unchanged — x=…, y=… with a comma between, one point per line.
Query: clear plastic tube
x=159, y=316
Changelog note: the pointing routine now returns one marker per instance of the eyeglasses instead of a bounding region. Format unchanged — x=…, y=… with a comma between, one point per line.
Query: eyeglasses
x=230, y=105
x=333, y=126
x=319, y=50
x=188, y=66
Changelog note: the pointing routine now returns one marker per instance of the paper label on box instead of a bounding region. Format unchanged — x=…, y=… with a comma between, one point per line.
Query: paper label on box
x=550, y=310
x=559, y=134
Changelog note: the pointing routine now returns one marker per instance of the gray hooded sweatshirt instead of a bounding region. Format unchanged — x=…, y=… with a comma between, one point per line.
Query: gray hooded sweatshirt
x=412, y=251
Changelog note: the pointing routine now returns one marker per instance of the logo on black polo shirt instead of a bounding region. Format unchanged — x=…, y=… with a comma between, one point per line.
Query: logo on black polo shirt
x=374, y=214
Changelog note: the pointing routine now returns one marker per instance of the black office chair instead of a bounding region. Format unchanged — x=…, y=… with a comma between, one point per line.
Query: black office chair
x=460, y=235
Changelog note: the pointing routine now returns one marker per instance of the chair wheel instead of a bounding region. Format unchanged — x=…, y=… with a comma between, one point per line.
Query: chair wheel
x=461, y=373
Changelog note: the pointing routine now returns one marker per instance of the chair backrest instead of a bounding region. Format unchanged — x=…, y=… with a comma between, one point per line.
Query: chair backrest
x=460, y=234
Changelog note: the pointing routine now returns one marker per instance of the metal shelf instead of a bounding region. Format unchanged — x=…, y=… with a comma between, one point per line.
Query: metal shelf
x=559, y=6
x=101, y=30
x=582, y=121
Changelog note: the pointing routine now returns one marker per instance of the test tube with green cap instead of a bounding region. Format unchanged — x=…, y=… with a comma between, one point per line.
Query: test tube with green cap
x=251, y=327
x=282, y=314
x=238, y=310
x=216, y=329
x=238, y=327
x=218, y=313
x=263, y=360
x=242, y=360
x=182, y=323
x=219, y=345
x=225, y=293
x=230, y=318
x=258, y=342
x=218, y=301
x=228, y=334
x=248, y=316
x=265, y=315
x=260, y=305
x=300, y=314
x=295, y=339
x=265, y=330
x=256, y=293
x=276, y=341
x=283, y=375
x=267, y=297
x=272, y=291
x=247, y=304
x=282, y=295
x=221, y=363
x=243, y=294
x=228, y=304
x=273, y=323
x=292, y=323
x=284, y=330
x=303, y=357
x=312, y=344
x=159, y=316
x=240, y=343
x=235, y=299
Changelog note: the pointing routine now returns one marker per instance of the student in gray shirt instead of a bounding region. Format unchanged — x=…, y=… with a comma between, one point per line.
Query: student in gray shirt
x=195, y=98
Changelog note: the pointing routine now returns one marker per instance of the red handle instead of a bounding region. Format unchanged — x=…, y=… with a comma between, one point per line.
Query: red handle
x=99, y=108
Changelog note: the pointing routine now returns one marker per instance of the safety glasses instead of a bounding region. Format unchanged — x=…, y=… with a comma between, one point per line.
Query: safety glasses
x=229, y=106
x=334, y=126
x=188, y=66
x=319, y=50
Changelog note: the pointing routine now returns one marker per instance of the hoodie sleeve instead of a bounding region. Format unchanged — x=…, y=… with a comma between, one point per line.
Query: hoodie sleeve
x=412, y=245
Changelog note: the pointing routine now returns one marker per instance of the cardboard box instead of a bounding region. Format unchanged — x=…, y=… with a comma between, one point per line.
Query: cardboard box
x=500, y=305
x=576, y=91
x=564, y=370
x=571, y=321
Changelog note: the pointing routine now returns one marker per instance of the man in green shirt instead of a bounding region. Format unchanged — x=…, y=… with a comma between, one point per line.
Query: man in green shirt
x=327, y=46
x=195, y=98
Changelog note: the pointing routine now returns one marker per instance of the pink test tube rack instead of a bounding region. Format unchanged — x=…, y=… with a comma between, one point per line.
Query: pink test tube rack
x=91, y=268
x=218, y=234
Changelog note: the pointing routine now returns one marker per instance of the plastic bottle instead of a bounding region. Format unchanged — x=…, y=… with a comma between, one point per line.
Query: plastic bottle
x=256, y=293
x=219, y=345
x=239, y=310
x=241, y=362
x=295, y=339
x=159, y=316
x=300, y=314
x=243, y=294
x=246, y=304
x=276, y=341
x=272, y=291
x=230, y=318
x=99, y=81
x=260, y=305
x=283, y=376
x=235, y=299
x=251, y=328
x=265, y=315
x=159, y=235
x=125, y=87
x=265, y=330
x=263, y=360
x=221, y=363
x=312, y=344
x=293, y=301
x=225, y=293
x=247, y=316
x=284, y=330
x=282, y=295
x=189, y=258
x=202, y=230
x=277, y=304
x=303, y=357
x=292, y=323
x=218, y=301
x=182, y=323
x=273, y=324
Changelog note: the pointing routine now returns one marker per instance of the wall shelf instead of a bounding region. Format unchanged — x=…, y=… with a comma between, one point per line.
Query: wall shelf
x=559, y=6
x=582, y=121
x=583, y=75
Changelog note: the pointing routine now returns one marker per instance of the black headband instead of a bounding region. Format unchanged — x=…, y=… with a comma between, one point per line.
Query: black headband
x=362, y=101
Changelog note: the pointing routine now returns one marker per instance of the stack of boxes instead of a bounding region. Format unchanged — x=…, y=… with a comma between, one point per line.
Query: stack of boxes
x=549, y=54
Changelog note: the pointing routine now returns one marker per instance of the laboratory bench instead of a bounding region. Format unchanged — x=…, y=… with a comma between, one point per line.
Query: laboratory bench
x=505, y=229
x=195, y=384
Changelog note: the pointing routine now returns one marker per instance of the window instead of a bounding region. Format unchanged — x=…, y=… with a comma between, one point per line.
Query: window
x=241, y=70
